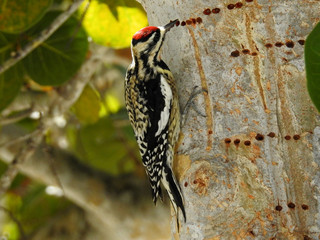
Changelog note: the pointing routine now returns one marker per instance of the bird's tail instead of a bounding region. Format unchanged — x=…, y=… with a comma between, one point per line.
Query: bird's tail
x=171, y=185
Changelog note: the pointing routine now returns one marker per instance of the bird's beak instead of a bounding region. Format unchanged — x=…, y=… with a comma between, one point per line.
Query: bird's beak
x=170, y=25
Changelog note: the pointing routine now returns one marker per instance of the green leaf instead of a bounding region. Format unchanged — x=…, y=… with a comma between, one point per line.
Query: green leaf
x=10, y=80
x=17, y=16
x=10, y=83
x=39, y=208
x=88, y=105
x=113, y=22
x=58, y=59
x=100, y=147
x=312, y=60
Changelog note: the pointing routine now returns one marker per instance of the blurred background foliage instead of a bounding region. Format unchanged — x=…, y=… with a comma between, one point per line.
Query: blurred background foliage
x=312, y=61
x=96, y=128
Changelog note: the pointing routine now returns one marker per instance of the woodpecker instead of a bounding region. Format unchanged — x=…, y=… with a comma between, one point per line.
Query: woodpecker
x=152, y=104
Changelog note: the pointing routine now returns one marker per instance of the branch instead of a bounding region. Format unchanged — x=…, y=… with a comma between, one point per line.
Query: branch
x=119, y=205
x=24, y=153
x=16, y=117
x=20, y=139
x=44, y=35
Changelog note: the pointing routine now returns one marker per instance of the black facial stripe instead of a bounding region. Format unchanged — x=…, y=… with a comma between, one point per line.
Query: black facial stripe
x=144, y=58
x=157, y=36
x=156, y=56
x=162, y=64
x=146, y=38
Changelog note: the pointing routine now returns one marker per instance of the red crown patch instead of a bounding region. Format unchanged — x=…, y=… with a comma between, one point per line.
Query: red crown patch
x=144, y=32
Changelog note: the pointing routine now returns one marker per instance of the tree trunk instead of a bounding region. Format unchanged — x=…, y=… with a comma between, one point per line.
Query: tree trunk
x=250, y=168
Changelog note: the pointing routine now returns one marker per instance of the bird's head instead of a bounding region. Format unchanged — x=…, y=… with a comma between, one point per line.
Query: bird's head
x=148, y=40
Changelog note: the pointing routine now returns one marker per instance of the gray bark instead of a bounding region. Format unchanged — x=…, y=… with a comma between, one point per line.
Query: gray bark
x=238, y=180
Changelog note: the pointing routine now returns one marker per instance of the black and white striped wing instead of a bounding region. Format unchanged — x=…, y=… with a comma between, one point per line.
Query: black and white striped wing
x=159, y=107
x=150, y=120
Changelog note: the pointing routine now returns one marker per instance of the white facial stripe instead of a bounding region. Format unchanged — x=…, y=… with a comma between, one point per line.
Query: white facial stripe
x=132, y=55
x=164, y=115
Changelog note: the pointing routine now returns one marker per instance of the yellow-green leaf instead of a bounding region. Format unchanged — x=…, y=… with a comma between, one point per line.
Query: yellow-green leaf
x=100, y=146
x=11, y=229
x=87, y=107
x=113, y=22
x=16, y=16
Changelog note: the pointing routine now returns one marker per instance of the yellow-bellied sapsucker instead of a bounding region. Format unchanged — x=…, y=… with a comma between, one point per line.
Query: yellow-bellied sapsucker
x=152, y=104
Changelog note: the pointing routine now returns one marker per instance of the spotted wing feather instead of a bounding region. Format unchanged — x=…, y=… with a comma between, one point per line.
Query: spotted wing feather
x=149, y=109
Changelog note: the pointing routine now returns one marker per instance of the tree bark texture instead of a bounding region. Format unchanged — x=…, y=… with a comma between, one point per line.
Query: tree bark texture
x=250, y=168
